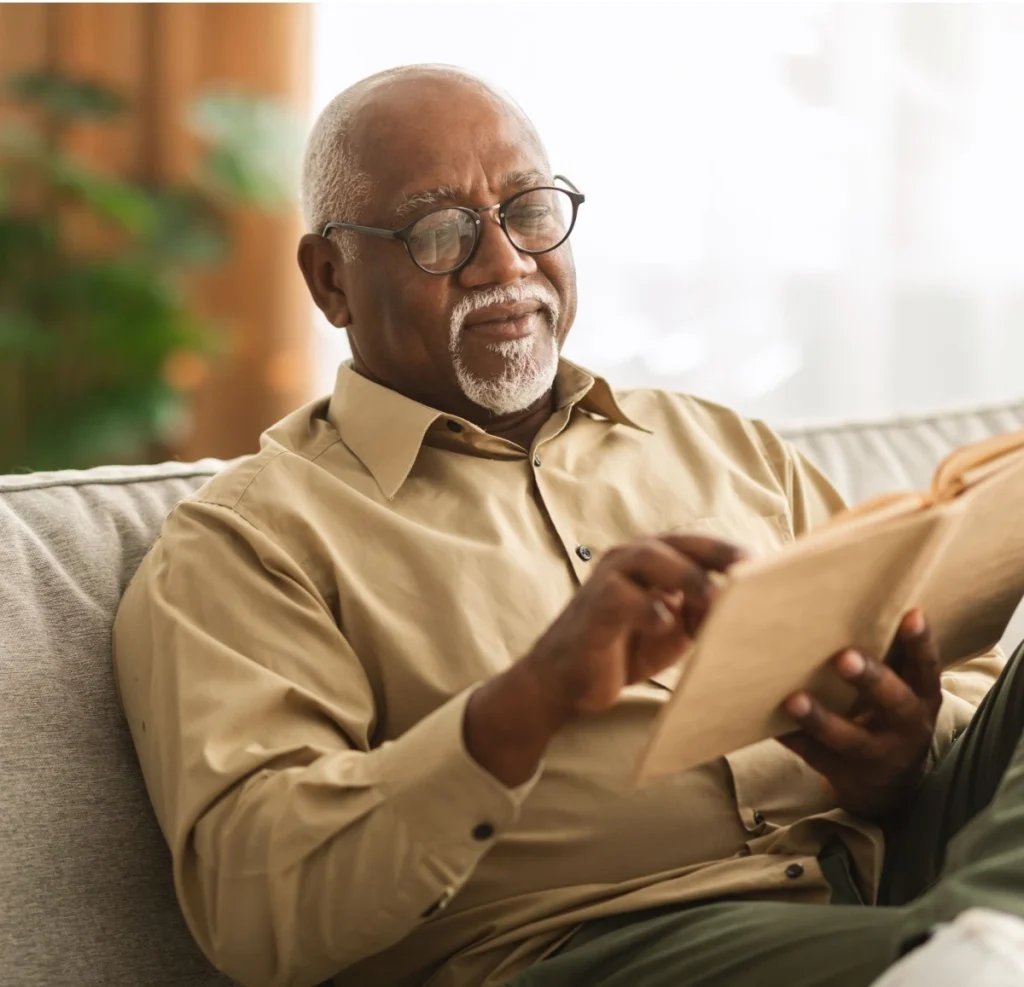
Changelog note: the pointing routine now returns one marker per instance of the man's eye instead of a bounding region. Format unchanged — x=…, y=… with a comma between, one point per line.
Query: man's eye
x=430, y=226
x=531, y=214
x=435, y=234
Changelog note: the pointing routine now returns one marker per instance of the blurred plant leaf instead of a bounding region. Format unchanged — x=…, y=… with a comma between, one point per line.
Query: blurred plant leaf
x=108, y=422
x=101, y=345
x=139, y=317
x=17, y=138
x=120, y=202
x=26, y=246
x=188, y=230
x=65, y=98
x=255, y=149
x=20, y=333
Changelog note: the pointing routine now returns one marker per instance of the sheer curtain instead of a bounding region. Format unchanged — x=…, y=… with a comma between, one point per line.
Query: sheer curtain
x=805, y=211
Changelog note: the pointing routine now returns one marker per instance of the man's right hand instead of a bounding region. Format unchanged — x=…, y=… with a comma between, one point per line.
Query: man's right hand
x=632, y=618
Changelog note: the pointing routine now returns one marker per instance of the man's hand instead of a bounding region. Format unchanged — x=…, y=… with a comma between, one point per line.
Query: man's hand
x=872, y=761
x=632, y=618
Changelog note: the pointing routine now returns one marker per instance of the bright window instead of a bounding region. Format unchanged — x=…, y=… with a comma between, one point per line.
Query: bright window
x=804, y=211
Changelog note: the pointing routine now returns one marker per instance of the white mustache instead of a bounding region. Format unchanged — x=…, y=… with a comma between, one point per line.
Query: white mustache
x=504, y=295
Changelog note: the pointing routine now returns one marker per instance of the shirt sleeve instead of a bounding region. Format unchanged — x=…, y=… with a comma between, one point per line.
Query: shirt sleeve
x=813, y=500
x=299, y=846
x=963, y=688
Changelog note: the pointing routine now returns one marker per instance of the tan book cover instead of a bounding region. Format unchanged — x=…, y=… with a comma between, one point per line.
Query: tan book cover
x=956, y=551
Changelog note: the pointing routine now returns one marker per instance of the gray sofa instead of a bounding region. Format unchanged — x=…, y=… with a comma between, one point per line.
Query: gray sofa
x=85, y=892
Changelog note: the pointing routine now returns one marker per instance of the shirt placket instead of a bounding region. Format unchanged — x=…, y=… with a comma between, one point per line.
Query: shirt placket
x=571, y=533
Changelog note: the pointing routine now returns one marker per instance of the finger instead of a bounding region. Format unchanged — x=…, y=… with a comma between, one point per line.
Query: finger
x=654, y=565
x=662, y=640
x=712, y=554
x=651, y=653
x=674, y=601
x=620, y=601
x=690, y=611
x=670, y=615
x=812, y=752
x=666, y=608
x=623, y=604
x=834, y=732
x=896, y=659
x=662, y=619
x=879, y=688
x=665, y=613
x=922, y=670
x=709, y=553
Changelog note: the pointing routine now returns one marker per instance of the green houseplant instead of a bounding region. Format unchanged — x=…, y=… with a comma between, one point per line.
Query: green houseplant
x=89, y=331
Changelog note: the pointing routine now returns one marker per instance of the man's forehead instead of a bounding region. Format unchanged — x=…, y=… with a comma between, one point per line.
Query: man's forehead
x=414, y=138
x=417, y=116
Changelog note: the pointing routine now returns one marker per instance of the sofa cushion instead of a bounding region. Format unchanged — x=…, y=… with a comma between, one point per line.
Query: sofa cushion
x=85, y=892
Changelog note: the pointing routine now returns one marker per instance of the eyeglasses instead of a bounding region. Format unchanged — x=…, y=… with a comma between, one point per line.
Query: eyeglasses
x=445, y=239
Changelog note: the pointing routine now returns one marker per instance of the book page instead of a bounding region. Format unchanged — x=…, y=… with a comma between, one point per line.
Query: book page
x=973, y=463
x=977, y=580
x=773, y=630
x=876, y=509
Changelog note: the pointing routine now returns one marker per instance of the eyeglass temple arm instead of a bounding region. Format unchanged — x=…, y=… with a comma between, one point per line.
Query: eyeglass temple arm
x=562, y=178
x=370, y=230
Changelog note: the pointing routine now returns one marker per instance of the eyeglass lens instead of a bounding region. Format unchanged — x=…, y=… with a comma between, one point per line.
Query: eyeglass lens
x=536, y=221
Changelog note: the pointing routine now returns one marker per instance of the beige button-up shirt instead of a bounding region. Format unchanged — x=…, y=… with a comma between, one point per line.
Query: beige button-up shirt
x=295, y=654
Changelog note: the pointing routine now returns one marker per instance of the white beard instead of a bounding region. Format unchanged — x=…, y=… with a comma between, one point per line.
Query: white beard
x=531, y=362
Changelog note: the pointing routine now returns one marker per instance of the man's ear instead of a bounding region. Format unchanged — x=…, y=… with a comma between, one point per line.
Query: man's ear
x=320, y=264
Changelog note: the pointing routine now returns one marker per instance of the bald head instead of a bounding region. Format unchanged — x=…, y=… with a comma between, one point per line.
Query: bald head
x=410, y=106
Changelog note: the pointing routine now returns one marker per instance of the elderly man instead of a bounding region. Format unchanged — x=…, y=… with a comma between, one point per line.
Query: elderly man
x=388, y=677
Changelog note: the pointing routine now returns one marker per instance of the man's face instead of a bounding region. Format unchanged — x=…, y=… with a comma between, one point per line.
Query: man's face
x=489, y=334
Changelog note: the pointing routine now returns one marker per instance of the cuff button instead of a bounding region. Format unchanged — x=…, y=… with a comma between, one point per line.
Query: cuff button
x=483, y=831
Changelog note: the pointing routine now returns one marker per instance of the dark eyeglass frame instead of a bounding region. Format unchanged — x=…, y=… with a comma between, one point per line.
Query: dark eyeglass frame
x=577, y=197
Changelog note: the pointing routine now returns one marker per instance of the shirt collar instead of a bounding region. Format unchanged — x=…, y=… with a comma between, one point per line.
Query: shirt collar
x=385, y=430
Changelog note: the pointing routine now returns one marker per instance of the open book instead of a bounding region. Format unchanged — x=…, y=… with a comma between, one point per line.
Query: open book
x=956, y=551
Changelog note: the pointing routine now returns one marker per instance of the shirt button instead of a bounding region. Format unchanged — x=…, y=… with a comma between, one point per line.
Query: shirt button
x=454, y=426
x=584, y=553
x=536, y=460
x=758, y=819
x=483, y=831
x=793, y=871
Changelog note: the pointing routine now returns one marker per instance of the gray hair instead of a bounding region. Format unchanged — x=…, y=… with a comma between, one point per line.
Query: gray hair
x=334, y=184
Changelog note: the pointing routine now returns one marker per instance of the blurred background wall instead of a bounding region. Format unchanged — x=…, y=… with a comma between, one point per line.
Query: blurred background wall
x=161, y=58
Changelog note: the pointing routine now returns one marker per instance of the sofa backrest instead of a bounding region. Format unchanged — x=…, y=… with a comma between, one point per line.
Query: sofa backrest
x=866, y=458
x=85, y=891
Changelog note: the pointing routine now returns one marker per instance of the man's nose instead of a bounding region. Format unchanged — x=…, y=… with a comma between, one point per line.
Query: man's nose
x=496, y=260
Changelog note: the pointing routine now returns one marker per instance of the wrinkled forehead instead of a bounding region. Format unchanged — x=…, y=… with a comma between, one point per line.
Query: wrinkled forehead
x=431, y=133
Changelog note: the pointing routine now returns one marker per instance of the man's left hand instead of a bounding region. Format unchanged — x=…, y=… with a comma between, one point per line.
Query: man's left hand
x=871, y=761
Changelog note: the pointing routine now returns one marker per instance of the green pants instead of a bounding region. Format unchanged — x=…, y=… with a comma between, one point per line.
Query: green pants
x=961, y=844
